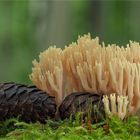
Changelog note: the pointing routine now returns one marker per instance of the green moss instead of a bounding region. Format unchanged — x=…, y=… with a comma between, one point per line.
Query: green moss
x=68, y=130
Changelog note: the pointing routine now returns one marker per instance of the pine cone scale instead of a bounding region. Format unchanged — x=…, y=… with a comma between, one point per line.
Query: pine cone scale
x=26, y=102
x=83, y=102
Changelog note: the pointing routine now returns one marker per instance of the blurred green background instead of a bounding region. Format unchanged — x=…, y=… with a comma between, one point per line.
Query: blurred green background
x=30, y=26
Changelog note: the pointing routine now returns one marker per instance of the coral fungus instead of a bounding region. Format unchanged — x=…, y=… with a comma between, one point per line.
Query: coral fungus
x=88, y=66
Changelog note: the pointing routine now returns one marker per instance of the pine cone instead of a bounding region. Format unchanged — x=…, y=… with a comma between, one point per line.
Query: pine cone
x=83, y=102
x=26, y=102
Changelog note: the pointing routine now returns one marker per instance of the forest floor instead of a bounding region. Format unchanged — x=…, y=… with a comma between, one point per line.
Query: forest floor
x=110, y=129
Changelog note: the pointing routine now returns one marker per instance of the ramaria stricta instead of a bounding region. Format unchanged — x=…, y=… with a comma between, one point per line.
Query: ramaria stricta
x=88, y=66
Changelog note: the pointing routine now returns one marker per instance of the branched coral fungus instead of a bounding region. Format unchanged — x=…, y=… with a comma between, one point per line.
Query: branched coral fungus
x=119, y=109
x=87, y=66
x=48, y=73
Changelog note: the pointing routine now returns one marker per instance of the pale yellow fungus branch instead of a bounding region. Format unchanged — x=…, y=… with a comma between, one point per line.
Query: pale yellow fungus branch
x=48, y=75
x=116, y=105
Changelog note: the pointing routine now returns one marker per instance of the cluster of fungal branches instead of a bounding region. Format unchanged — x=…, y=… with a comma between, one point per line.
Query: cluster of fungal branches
x=88, y=66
